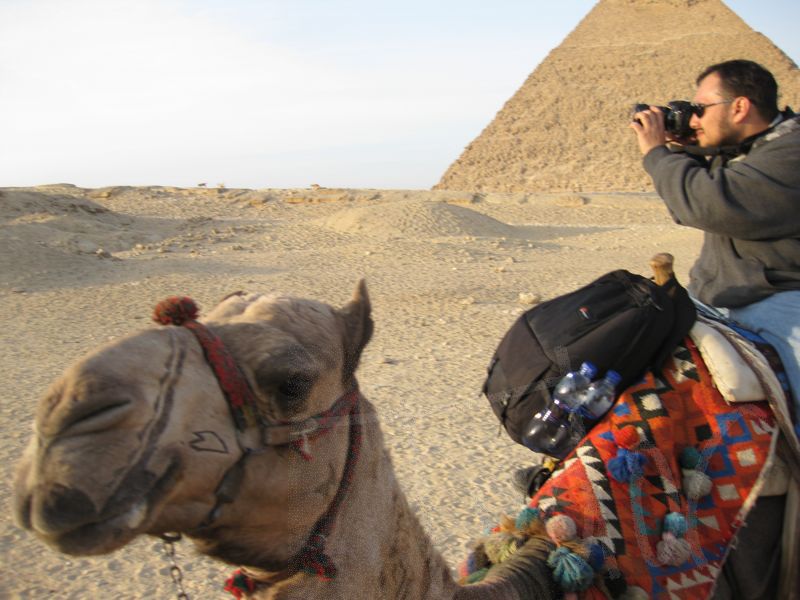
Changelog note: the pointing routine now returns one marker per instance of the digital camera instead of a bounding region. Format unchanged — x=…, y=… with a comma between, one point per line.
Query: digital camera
x=677, y=115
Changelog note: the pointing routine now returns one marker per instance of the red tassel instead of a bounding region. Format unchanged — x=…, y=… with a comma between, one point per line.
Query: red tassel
x=314, y=561
x=239, y=584
x=175, y=310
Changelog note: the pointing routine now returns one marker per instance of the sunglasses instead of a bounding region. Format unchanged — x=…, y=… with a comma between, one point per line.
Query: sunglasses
x=699, y=108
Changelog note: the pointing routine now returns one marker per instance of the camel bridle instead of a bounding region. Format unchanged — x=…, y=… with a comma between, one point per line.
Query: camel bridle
x=182, y=311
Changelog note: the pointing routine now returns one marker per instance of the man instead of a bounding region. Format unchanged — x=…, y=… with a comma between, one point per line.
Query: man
x=740, y=184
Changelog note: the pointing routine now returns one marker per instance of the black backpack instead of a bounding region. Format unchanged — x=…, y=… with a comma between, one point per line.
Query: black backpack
x=621, y=321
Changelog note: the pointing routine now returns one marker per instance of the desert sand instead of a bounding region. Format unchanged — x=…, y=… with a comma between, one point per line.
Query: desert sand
x=447, y=273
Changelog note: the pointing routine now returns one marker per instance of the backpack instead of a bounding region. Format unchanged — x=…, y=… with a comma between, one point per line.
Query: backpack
x=620, y=321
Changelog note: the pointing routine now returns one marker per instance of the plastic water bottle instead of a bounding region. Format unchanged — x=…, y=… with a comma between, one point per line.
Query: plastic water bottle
x=600, y=395
x=571, y=388
x=557, y=428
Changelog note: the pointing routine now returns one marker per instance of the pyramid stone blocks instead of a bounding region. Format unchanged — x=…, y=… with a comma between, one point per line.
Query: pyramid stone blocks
x=566, y=128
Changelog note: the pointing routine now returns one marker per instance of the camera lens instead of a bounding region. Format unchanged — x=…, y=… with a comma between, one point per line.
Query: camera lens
x=678, y=117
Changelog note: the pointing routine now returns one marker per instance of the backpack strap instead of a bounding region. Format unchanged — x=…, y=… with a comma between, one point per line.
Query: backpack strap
x=685, y=314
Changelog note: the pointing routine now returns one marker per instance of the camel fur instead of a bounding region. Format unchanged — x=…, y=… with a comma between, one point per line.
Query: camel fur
x=137, y=438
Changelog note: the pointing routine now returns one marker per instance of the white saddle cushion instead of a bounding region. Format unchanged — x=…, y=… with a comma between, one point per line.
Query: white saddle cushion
x=733, y=377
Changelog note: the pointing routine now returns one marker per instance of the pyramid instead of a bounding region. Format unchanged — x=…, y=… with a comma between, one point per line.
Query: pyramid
x=566, y=128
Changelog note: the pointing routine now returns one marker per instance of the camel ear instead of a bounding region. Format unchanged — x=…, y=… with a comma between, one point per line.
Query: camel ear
x=358, y=328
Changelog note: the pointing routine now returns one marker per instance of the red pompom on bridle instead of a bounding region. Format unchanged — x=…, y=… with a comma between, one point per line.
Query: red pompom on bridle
x=175, y=310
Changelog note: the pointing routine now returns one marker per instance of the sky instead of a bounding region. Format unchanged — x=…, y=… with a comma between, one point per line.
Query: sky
x=273, y=93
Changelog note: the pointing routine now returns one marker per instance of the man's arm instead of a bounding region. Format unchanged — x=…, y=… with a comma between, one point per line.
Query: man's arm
x=753, y=199
x=757, y=198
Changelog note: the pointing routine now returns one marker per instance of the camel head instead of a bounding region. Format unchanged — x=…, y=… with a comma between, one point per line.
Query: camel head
x=139, y=438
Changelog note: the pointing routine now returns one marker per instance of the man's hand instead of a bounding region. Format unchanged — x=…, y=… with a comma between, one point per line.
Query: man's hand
x=649, y=128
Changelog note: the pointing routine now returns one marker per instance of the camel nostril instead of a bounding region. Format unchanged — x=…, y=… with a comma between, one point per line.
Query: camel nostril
x=62, y=509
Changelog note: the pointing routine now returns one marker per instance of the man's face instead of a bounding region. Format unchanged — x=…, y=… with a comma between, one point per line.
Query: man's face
x=715, y=127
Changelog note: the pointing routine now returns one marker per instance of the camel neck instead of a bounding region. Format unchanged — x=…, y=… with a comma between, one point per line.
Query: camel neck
x=379, y=542
x=378, y=545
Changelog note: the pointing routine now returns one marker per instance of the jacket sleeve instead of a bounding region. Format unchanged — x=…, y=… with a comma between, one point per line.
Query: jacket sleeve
x=756, y=198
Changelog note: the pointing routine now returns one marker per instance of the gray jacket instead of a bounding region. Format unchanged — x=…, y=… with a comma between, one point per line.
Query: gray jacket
x=749, y=208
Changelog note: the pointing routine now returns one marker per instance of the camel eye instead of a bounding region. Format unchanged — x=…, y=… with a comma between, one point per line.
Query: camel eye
x=294, y=389
x=287, y=377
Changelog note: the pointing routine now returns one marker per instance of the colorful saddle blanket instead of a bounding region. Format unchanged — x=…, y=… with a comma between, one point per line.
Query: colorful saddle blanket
x=661, y=485
x=682, y=410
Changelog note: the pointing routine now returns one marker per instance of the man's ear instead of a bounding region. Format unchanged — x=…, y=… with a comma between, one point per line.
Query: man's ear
x=742, y=109
x=358, y=327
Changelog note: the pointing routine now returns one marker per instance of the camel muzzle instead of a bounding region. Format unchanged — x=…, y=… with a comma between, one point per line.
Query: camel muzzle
x=66, y=517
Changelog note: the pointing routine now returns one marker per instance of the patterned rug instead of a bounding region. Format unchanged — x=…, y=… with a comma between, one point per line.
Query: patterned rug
x=661, y=485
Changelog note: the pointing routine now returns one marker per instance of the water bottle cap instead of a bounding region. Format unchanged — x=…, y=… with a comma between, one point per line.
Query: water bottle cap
x=588, y=369
x=613, y=377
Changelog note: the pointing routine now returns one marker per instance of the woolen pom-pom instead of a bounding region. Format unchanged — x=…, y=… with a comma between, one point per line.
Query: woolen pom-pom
x=675, y=523
x=561, y=528
x=525, y=517
x=626, y=466
x=696, y=484
x=175, y=310
x=596, y=556
x=690, y=457
x=627, y=437
x=499, y=547
x=463, y=568
x=477, y=576
x=473, y=563
x=478, y=558
x=673, y=551
x=570, y=571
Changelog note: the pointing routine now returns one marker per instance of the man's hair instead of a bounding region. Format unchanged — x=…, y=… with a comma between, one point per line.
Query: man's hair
x=749, y=79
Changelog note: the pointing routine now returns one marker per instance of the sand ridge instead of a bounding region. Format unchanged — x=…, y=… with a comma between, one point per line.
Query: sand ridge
x=416, y=219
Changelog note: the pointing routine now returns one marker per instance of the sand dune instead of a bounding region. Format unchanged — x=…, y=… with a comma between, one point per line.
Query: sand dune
x=445, y=271
x=416, y=219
